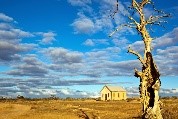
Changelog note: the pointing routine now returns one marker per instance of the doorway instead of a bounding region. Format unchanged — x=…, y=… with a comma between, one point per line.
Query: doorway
x=106, y=96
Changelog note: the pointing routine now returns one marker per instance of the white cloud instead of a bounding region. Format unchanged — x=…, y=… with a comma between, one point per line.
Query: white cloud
x=48, y=37
x=83, y=25
x=89, y=42
x=65, y=91
x=132, y=91
x=170, y=38
x=90, y=25
x=103, y=23
x=99, y=20
x=61, y=55
x=10, y=41
x=65, y=61
x=111, y=6
x=79, y=2
x=166, y=59
x=31, y=66
x=93, y=42
x=47, y=92
x=122, y=68
x=168, y=50
x=105, y=54
x=96, y=63
x=138, y=46
x=11, y=51
x=168, y=92
x=98, y=55
x=102, y=41
x=5, y=18
x=121, y=42
x=5, y=26
x=13, y=34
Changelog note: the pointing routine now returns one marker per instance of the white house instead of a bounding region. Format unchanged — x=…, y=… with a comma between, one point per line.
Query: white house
x=113, y=93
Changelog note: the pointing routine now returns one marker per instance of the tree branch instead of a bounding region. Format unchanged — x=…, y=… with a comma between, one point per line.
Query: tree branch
x=134, y=21
x=115, y=11
x=138, y=55
x=136, y=6
x=120, y=27
x=156, y=20
x=144, y=2
x=137, y=73
x=153, y=19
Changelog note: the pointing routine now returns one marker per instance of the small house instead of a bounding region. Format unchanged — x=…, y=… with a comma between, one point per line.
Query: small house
x=113, y=93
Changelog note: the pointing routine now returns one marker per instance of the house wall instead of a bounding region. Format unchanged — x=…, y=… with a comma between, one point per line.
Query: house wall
x=105, y=92
x=119, y=96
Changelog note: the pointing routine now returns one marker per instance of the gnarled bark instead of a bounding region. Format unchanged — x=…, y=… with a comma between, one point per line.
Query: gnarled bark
x=149, y=88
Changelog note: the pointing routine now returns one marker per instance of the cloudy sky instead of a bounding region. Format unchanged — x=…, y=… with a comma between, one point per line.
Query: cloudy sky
x=62, y=48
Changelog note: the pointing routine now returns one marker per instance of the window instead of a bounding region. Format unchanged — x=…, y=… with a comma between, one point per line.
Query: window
x=108, y=94
x=102, y=95
x=123, y=95
x=118, y=95
x=113, y=94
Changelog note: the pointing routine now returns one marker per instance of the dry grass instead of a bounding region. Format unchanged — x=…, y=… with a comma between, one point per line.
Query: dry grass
x=170, y=108
x=77, y=109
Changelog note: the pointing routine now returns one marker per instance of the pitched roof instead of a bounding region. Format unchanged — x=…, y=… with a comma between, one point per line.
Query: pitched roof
x=115, y=88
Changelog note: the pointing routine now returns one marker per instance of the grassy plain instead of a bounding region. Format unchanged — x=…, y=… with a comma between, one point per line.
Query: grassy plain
x=79, y=109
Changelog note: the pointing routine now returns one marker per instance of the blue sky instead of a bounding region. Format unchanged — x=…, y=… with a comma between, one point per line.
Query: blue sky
x=62, y=48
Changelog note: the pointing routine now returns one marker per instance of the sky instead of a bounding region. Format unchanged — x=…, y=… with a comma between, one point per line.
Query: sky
x=63, y=48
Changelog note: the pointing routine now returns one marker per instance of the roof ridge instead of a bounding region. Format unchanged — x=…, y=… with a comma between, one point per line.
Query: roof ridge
x=115, y=88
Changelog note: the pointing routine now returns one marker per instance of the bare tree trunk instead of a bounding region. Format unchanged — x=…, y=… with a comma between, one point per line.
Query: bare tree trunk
x=149, y=80
x=149, y=87
x=149, y=76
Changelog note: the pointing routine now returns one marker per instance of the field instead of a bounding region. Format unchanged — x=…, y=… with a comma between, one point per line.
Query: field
x=79, y=109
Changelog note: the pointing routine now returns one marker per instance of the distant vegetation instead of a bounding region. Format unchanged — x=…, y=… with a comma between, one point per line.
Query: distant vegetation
x=53, y=97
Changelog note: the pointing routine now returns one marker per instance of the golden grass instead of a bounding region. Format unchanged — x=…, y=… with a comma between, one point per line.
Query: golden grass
x=77, y=109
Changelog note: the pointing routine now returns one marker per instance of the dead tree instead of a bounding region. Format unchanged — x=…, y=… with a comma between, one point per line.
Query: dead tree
x=149, y=76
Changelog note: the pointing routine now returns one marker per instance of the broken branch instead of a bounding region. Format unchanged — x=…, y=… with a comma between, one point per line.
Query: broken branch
x=138, y=55
x=137, y=73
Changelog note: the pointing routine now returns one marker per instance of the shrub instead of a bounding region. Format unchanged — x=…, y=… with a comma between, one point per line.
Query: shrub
x=20, y=97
